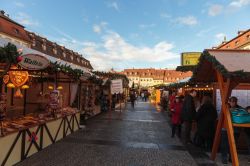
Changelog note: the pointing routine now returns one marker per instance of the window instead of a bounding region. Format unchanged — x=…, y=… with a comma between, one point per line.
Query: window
x=44, y=47
x=248, y=37
x=16, y=31
x=236, y=43
x=64, y=54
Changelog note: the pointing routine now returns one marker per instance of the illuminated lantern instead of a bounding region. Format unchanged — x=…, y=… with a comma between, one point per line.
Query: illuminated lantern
x=51, y=87
x=25, y=87
x=18, y=78
x=10, y=85
x=59, y=88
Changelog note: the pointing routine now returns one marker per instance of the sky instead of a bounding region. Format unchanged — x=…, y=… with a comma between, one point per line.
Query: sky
x=122, y=34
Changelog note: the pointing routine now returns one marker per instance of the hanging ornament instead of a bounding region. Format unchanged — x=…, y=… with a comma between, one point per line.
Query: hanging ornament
x=18, y=93
x=6, y=79
x=19, y=59
x=18, y=78
x=10, y=85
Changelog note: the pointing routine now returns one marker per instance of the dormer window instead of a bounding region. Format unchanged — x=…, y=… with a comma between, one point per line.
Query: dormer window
x=64, y=54
x=44, y=47
x=33, y=42
x=16, y=31
x=248, y=37
x=71, y=57
x=236, y=43
x=54, y=50
x=78, y=60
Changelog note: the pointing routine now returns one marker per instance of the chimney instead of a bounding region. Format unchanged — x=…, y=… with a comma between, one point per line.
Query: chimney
x=240, y=32
x=2, y=12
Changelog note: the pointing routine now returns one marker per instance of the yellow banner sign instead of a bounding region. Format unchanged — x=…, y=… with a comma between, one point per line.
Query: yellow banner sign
x=190, y=58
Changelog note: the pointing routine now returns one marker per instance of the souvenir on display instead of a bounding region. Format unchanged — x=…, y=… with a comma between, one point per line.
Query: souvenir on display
x=2, y=111
x=53, y=105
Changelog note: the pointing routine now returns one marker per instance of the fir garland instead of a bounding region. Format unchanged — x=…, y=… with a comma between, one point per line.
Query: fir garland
x=8, y=56
x=185, y=68
x=113, y=76
x=95, y=80
x=205, y=56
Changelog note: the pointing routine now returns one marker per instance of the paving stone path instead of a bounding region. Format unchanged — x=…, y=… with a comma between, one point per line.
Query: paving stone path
x=135, y=137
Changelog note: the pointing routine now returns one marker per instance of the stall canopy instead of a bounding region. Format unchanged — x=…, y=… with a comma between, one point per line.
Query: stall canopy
x=229, y=68
x=232, y=64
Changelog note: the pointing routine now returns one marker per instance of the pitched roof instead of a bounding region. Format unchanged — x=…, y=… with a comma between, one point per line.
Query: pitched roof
x=230, y=63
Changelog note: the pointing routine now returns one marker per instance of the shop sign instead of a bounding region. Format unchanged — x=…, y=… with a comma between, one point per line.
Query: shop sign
x=116, y=86
x=190, y=58
x=34, y=62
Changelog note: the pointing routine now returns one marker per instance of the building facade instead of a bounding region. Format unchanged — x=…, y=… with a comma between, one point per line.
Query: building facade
x=11, y=31
x=241, y=41
x=150, y=77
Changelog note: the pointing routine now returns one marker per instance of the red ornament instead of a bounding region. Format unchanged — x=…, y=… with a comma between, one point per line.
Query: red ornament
x=19, y=59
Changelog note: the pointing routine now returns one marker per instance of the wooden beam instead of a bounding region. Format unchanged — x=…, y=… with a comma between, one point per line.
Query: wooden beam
x=225, y=118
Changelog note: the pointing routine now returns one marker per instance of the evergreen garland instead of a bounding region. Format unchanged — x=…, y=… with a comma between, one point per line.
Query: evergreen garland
x=113, y=76
x=205, y=56
x=185, y=68
x=95, y=80
x=8, y=56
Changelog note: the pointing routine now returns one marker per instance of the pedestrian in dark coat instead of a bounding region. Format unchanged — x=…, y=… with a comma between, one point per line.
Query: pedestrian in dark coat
x=206, y=119
x=176, y=113
x=188, y=114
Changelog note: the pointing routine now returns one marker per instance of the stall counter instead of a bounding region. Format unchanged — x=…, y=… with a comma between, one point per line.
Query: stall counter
x=18, y=145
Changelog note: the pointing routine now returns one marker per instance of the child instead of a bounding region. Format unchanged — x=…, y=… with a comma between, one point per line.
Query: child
x=176, y=108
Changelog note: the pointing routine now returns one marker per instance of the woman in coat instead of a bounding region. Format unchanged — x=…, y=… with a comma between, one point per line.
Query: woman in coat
x=206, y=119
x=176, y=108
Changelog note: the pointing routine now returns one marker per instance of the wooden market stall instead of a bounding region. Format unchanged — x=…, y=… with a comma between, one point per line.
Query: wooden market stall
x=37, y=106
x=229, y=68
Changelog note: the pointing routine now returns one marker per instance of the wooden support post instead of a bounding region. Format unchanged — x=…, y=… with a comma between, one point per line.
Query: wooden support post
x=225, y=118
x=24, y=102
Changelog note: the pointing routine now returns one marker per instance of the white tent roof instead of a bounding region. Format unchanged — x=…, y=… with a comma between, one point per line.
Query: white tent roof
x=184, y=80
x=27, y=50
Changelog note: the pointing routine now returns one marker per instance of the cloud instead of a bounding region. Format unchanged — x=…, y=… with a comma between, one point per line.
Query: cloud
x=19, y=4
x=204, y=32
x=165, y=15
x=220, y=36
x=115, y=51
x=143, y=26
x=98, y=28
x=25, y=19
x=187, y=20
x=114, y=5
x=215, y=10
x=239, y=3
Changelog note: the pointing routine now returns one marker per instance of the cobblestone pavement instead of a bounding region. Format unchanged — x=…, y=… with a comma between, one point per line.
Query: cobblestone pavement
x=135, y=137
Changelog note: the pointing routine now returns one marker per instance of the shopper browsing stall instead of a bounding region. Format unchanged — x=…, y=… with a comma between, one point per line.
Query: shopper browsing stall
x=176, y=113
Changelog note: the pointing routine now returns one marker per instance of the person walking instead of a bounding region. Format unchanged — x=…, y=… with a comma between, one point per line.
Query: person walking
x=132, y=99
x=206, y=119
x=188, y=114
x=176, y=113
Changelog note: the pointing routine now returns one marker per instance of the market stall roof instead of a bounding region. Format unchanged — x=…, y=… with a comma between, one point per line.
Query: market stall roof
x=184, y=80
x=230, y=63
x=27, y=50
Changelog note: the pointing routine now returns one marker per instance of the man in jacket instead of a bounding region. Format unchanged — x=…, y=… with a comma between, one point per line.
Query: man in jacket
x=188, y=114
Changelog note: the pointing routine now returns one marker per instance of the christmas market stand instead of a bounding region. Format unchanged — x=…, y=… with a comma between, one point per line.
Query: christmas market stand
x=230, y=70
x=39, y=102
